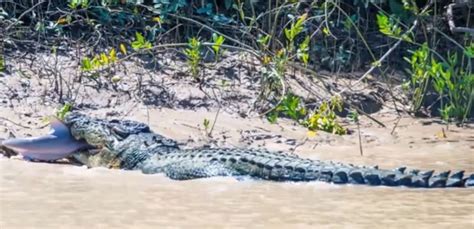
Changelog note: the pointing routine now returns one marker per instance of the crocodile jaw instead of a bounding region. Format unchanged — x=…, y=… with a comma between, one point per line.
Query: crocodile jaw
x=59, y=143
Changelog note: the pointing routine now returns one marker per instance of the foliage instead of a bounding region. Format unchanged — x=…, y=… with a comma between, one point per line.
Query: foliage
x=336, y=35
x=206, y=123
x=74, y=4
x=453, y=84
x=469, y=51
x=140, y=42
x=353, y=116
x=218, y=41
x=295, y=29
x=325, y=119
x=277, y=65
x=290, y=107
x=61, y=113
x=419, y=75
x=193, y=53
x=448, y=76
x=390, y=28
x=303, y=49
x=263, y=41
x=100, y=60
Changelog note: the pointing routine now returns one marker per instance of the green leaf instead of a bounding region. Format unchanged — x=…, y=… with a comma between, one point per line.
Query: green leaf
x=263, y=41
x=206, y=123
x=218, y=41
x=272, y=117
x=140, y=42
x=302, y=52
x=353, y=116
x=139, y=37
x=61, y=113
x=469, y=51
x=86, y=64
x=384, y=24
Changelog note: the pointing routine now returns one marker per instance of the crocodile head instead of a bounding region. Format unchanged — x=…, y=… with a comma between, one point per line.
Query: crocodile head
x=85, y=138
x=109, y=138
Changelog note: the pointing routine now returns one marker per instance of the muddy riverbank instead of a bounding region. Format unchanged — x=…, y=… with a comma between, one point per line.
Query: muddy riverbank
x=46, y=195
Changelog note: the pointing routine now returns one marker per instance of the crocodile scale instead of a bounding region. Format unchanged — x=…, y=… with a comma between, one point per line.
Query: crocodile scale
x=132, y=145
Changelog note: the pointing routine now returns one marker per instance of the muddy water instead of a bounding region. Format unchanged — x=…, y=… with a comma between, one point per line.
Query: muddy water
x=39, y=195
x=54, y=196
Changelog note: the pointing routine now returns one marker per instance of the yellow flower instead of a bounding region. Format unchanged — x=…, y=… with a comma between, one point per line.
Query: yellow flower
x=311, y=134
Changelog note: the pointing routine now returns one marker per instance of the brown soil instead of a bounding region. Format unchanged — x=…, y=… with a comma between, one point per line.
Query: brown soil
x=174, y=104
x=39, y=195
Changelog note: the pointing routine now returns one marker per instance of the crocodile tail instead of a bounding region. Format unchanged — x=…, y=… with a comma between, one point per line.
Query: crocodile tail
x=402, y=177
x=309, y=170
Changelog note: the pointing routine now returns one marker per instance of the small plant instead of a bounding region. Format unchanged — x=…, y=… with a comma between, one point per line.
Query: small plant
x=453, y=84
x=277, y=65
x=74, y=4
x=193, y=53
x=61, y=113
x=263, y=41
x=98, y=61
x=419, y=75
x=325, y=119
x=354, y=116
x=291, y=107
x=469, y=52
x=206, y=123
x=387, y=27
x=280, y=61
x=391, y=29
x=140, y=42
x=455, y=87
x=295, y=29
x=302, y=52
x=218, y=41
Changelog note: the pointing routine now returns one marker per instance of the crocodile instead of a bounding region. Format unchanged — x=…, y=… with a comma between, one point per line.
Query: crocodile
x=132, y=145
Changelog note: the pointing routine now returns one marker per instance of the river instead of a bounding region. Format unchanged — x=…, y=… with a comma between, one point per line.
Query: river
x=42, y=195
